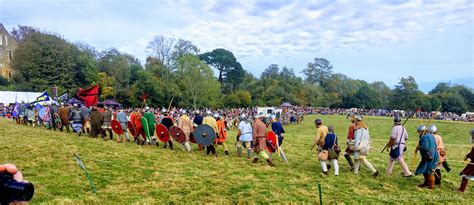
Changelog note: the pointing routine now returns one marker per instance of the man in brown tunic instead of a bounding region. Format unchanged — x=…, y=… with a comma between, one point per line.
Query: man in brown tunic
x=468, y=172
x=64, y=116
x=259, y=136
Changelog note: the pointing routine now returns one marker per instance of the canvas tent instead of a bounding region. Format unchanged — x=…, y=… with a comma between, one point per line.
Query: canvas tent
x=7, y=97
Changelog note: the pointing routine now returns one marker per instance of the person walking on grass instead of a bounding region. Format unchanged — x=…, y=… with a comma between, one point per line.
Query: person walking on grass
x=321, y=132
x=468, y=172
x=259, y=138
x=332, y=147
x=397, y=144
x=362, y=146
x=244, y=136
x=429, y=158
x=433, y=130
x=350, y=143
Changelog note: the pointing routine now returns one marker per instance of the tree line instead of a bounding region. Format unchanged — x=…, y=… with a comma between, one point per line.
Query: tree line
x=175, y=70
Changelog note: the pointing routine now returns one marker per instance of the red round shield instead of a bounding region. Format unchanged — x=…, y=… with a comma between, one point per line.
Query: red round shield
x=116, y=127
x=178, y=134
x=132, y=129
x=162, y=133
x=271, y=137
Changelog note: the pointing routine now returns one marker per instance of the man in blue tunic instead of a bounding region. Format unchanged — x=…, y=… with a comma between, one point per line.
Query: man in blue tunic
x=429, y=158
x=277, y=128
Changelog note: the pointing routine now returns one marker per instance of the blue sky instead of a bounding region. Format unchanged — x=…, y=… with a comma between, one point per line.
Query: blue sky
x=373, y=40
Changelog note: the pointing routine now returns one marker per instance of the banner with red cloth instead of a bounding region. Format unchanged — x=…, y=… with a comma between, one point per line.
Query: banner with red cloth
x=90, y=96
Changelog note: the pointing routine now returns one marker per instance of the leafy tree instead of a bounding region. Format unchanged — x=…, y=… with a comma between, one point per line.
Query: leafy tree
x=222, y=60
x=197, y=83
x=182, y=48
x=367, y=98
x=406, y=94
x=22, y=32
x=106, y=85
x=42, y=60
x=3, y=81
x=319, y=71
x=238, y=98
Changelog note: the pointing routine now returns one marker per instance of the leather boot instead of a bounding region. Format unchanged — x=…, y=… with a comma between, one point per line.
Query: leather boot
x=446, y=166
x=349, y=160
x=438, y=177
x=269, y=161
x=431, y=181
x=425, y=182
x=463, y=186
x=255, y=160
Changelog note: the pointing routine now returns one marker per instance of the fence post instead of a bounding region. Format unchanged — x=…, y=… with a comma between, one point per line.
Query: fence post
x=320, y=195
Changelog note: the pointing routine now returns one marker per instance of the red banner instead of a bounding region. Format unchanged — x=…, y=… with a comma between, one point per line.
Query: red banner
x=90, y=96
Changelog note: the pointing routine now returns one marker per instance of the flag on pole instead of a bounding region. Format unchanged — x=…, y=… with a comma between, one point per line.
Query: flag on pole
x=90, y=96
x=63, y=97
x=43, y=97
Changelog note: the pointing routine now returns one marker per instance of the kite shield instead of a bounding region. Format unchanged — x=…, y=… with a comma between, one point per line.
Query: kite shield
x=204, y=135
x=116, y=127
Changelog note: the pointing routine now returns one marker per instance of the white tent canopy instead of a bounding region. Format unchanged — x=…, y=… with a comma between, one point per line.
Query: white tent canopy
x=7, y=97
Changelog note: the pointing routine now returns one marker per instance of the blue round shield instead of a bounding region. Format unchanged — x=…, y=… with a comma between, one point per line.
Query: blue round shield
x=204, y=135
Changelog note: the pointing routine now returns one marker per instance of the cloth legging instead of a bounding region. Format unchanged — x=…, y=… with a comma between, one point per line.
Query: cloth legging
x=366, y=163
x=186, y=146
x=223, y=145
x=247, y=144
x=334, y=164
x=401, y=161
x=262, y=154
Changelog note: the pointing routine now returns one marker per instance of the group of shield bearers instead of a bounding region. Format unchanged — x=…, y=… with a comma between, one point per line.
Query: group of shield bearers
x=430, y=146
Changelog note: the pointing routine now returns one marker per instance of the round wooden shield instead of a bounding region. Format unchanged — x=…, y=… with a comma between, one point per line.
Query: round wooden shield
x=204, y=135
x=271, y=137
x=116, y=127
x=57, y=120
x=132, y=128
x=162, y=133
x=177, y=134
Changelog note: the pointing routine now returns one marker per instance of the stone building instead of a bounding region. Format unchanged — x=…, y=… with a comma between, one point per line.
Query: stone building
x=7, y=48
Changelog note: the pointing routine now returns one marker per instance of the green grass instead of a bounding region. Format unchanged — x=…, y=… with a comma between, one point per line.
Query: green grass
x=127, y=173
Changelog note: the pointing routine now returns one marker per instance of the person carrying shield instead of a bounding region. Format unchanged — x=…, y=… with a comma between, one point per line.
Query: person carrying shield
x=244, y=136
x=106, y=124
x=277, y=128
x=187, y=126
x=259, y=137
x=222, y=133
x=168, y=122
x=211, y=121
x=197, y=120
x=122, y=118
x=150, y=119
x=468, y=172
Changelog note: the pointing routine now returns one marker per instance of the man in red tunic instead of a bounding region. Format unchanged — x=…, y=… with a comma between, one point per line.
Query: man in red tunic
x=260, y=140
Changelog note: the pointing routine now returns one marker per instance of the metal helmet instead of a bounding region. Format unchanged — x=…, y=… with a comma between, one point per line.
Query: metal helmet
x=208, y=112
x=146, y=108
x=183, y=111
x=215, y=115
x=197, y=112
x=432, y=129
x=397, y=119
x=421, y=128
x=163, y=110
x=318, y=121
x=76, y=105
x=358, y=118
x=243, y=116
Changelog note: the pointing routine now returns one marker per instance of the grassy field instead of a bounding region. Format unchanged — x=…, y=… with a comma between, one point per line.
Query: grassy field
x=127, y=173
